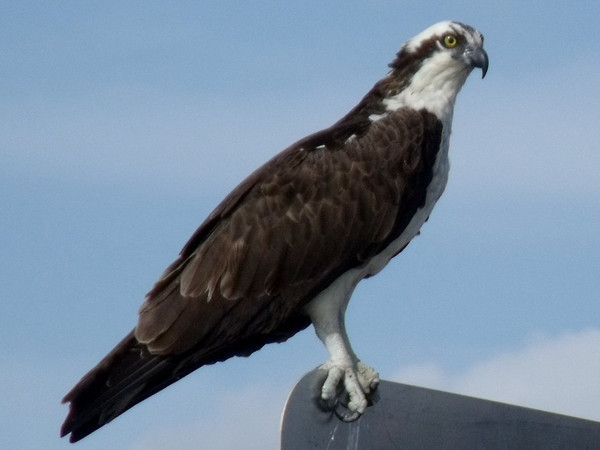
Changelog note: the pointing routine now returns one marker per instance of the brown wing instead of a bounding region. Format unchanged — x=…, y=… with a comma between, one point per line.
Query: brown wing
x=318, y=209
x=297, y=224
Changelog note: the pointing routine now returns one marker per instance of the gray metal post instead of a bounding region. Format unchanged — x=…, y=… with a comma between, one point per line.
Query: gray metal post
x=409, y=417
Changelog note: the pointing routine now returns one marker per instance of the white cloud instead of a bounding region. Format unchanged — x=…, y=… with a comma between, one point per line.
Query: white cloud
x=558, y=374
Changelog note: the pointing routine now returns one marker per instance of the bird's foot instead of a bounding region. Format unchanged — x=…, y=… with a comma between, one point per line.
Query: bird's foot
x=347, y=388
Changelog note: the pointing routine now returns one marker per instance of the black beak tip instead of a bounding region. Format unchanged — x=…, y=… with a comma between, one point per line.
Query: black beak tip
x=482, y=61
x=478, y=58
x=484, y=67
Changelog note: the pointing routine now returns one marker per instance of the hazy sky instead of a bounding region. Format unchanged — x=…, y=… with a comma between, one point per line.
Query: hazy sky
x=122, y=124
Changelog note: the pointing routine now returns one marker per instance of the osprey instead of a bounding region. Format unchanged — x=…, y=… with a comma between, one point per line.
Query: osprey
x=288, y=246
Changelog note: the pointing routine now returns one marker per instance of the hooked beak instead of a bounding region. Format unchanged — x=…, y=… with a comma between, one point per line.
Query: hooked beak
x=477, y=58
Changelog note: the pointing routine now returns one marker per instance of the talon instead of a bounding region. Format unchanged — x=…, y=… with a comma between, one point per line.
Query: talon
x=368, y=377
x=345, y=389
x=329, y=389
x=326, y=404
x=347, y=415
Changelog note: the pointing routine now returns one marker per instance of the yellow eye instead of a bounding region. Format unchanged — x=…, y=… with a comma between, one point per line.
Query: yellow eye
x=450, y=41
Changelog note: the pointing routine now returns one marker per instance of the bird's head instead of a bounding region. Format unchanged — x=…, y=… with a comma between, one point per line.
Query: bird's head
x=446, y=47
x=430, y=68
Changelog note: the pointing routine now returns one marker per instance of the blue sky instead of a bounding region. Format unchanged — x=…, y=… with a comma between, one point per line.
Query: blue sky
x=122, y=124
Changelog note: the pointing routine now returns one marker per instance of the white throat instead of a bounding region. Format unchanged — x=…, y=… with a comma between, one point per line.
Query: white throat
x=433, y=87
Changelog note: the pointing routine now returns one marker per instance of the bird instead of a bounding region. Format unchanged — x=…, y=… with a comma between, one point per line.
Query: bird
x=286, y=248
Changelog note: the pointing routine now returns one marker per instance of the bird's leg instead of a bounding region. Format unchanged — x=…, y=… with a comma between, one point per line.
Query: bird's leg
x=344, y=369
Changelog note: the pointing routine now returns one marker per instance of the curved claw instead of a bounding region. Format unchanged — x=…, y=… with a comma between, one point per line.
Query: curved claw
x=347, y=391
x=343, y=413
